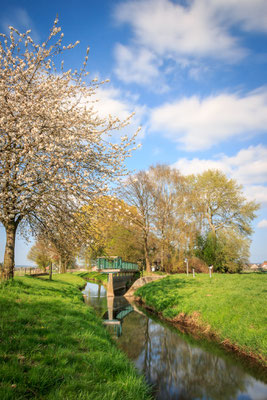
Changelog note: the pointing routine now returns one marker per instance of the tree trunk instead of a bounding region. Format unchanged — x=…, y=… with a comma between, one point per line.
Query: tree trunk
x=9, y=257
x=148, y=268
x=63, y=267
x=162, y=257
x=59, y=264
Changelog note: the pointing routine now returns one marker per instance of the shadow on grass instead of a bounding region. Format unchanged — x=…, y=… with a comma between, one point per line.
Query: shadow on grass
x=52, y=346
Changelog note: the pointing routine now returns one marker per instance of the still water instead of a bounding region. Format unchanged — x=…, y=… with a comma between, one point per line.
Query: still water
x=176, y=365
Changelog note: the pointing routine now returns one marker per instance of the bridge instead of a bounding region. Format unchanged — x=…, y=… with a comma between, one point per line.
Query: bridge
x=116, y=263
x=119, y=272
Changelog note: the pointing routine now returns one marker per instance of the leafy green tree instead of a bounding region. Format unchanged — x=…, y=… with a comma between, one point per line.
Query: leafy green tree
x=209, y=250
x=222, y=204
x=124, y=242
x=227, y=251
x=225, y=216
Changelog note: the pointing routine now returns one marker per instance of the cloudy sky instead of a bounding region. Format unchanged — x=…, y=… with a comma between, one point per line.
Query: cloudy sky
x=193, y=71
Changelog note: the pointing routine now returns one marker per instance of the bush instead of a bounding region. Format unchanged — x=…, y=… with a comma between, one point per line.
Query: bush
x=198, y=264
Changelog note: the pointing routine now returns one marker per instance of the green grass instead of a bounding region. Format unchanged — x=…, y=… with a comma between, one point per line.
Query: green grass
x=94, y=276
x=233, y=305
x=53, y=346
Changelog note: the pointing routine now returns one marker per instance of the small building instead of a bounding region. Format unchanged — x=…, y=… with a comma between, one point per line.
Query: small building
x=264, y=266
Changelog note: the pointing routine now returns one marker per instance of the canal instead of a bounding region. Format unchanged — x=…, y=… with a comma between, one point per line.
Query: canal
x=176, y=365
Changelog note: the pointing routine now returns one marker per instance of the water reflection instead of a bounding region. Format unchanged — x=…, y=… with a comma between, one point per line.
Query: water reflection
x=112, y=310
x=95, y=296
x=180, y=370
x=115, y=314
x=177, y=369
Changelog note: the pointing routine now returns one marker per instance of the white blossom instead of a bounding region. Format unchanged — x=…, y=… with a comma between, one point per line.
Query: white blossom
x=55, y=154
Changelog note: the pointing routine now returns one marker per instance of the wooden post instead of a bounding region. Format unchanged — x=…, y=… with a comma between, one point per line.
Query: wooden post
x=110, y=291
x=50, y=270
x=186, y=260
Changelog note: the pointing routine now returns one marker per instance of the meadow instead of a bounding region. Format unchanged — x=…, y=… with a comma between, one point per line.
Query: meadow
x=229, y=307
x=53, y=346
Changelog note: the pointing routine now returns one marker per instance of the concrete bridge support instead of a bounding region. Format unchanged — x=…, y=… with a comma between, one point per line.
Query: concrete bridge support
x=110, y=307
x=118, y=280
x=110, y=289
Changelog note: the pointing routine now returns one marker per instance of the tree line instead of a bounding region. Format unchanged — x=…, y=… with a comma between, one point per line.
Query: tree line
x=160, y=217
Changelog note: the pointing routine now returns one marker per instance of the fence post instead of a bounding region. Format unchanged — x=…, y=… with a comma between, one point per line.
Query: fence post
x=50, y=270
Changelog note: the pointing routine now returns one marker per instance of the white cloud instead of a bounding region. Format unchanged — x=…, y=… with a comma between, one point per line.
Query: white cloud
x=172, y=28
x=248, y=167
x=201, y=123
x=251, y=15
x=262, y=224
x=112, y=101
x=135, y=65
x=109, y=102
x=194, y=30
x=197, y=166
x=257, y=193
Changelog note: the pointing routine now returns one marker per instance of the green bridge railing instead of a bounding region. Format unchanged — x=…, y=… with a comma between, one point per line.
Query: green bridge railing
x=116, y=263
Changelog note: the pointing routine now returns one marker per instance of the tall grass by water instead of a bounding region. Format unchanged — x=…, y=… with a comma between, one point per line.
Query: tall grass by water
x=53, y=346
x=232, y=306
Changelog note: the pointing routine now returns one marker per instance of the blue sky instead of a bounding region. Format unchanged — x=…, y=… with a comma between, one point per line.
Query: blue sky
x=194, y=73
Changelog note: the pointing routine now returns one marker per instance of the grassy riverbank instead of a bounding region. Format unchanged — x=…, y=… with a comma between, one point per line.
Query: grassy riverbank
x=229, y=308
x=52, y=346
x=94, y=276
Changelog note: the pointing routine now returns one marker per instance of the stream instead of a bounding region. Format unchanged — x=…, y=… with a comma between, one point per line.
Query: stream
x=175, y=364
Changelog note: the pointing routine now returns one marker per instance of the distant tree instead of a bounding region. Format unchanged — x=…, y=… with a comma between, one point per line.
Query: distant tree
x=54, y=148
x=40, y=254
x=137, y=192
x=111, y=231
x=124, y=241
x=226, y=217
x=63, y=233
x=168, y=196
x=227, y=251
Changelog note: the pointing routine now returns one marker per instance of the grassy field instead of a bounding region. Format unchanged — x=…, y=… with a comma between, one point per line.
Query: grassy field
x=52, y=346
x=232, y=306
